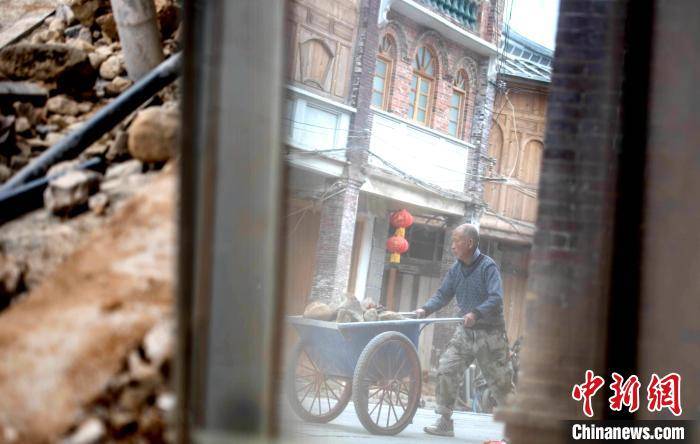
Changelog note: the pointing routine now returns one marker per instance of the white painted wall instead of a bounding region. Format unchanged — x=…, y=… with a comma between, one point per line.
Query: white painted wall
x=363, y=261
x=314, y=123
x=420, y=152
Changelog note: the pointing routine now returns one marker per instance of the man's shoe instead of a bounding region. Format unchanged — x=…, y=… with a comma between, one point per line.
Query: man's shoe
x=442, y=427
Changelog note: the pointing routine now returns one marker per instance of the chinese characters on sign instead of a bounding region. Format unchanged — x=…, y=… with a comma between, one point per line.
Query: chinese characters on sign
x=661, y=393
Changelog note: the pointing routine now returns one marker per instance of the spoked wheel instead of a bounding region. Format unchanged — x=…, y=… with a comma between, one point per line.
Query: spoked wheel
x=386, y=385
x=314, y=395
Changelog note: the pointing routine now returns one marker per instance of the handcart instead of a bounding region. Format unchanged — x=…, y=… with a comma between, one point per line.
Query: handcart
x=373, y=363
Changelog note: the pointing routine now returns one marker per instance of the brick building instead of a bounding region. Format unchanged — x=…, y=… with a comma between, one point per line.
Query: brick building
x=389, y=106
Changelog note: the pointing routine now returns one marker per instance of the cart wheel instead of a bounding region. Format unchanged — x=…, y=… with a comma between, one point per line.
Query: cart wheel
x=313, y=395
x=387, y=385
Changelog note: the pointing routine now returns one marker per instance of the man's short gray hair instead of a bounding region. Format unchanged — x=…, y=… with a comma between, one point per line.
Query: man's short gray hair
x=470, y=231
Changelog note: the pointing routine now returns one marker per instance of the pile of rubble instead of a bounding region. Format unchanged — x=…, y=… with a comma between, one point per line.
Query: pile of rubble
x=138, y=401
x=51, y=82
x=86, y=282
x=350, y=310
x=62, y=73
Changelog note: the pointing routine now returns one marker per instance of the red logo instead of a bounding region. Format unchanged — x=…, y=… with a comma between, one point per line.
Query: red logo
x=586, y=391
x=625, y=393
x=665, y=393
x=662, y=393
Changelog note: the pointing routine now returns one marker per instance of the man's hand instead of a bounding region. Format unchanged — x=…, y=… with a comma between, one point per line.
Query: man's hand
x=420, y=313
x=469, y=320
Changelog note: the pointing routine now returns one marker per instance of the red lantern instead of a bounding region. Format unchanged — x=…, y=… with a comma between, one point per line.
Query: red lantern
x=401, y=219
x=397, y=244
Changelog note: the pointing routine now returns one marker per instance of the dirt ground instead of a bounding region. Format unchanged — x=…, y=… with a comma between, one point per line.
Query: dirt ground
x=62, y=342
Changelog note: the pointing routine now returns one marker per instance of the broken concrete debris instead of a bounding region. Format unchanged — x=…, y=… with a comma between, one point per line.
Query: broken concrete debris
x=350, y=310
x=70, y=191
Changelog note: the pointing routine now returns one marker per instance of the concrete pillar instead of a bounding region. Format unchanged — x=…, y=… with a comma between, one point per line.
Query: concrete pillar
x=334, y=248
x=565, y=325
x=377, y=258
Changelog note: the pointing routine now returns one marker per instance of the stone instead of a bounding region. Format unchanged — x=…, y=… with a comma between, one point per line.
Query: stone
x=99, y=55
x=62, y=105
x=5, y=173
x=84, y=11
x=123, y=422
x=90, y=431
x=81, y=45
x=84, y=107
x=65, y=64
x=22, y=91
x=11, y=276
x=65, y=14
x=133, y=397
x=85, y=35
x=108, y=26
x=345, y=315
x=166, y=402
x=371, y=315
x=120, y=170
x=70, y=191
x=22, y=125
x=44, y=130
x=139, y=369
x=390, y=316
x=33, y=115
x=154, y=134
x=57, y=24
x=118, y=149
x=117, y=86
x=151, y=423
x=159, y=342
x=112, y=67
x=73, y=31
x=62, y=167
x=98, y=203
x=53, y=138
x=18, y=162
x=47, y=36
x=318, y=310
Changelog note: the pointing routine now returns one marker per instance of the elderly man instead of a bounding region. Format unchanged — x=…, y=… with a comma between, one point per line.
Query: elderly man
x=476, y=282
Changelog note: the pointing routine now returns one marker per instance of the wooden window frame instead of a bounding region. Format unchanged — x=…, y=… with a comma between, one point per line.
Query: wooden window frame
x=387, y=79
x=460, y=112
x=459, y=86
x=421, y=76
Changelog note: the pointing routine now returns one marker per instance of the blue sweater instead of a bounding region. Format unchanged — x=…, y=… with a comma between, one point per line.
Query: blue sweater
x=478, y=289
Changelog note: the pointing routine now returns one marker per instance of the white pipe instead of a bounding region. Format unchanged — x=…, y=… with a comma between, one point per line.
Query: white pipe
x=139, y=35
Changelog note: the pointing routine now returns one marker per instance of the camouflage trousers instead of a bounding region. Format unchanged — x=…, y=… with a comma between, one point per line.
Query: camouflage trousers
x=490, y=349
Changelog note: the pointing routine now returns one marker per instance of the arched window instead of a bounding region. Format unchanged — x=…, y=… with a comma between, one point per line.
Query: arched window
x=457, y=101
x=382, y=73
x=420, y=97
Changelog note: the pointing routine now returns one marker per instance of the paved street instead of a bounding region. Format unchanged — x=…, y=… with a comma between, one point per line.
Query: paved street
x=470, y=428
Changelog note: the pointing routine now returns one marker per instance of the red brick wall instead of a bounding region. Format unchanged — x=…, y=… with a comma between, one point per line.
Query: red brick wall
x=449, y=59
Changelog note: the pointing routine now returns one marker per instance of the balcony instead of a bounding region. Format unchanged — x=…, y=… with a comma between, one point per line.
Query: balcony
x=464, y=12
x=419, y=154
x=459, y=25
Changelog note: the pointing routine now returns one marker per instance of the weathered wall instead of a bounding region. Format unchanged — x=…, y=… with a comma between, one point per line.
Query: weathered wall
x=322, y=44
